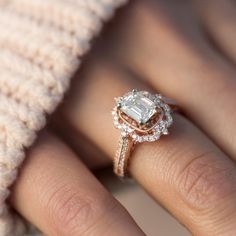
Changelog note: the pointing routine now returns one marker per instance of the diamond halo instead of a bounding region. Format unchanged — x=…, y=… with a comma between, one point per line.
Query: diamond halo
x=142, y=116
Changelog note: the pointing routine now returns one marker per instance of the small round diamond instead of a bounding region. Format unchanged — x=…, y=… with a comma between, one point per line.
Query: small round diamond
x=124, y=126
x=165, y=132
x=151, y=138
x=129, y=130
x=145, y=138
x=139, y=139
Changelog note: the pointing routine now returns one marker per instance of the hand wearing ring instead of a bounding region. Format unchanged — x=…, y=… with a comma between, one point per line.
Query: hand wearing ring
x=153, y=45
x=140, y=116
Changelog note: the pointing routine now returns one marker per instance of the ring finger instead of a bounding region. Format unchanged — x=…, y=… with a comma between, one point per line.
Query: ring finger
x=186, y=172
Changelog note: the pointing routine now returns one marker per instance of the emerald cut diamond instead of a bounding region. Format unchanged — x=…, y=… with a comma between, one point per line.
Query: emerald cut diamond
x=152, y=116
x=138, y=107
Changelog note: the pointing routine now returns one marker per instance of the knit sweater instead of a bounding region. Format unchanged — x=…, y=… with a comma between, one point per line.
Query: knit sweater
x=41, y=45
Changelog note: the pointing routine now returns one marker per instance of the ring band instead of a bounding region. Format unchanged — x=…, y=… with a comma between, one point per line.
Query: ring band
x=141, y=117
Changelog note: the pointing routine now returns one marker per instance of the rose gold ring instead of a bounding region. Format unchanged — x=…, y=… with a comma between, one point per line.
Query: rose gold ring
x=141, y=117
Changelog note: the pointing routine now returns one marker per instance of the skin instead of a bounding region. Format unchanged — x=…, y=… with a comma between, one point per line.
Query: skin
x=183, y=49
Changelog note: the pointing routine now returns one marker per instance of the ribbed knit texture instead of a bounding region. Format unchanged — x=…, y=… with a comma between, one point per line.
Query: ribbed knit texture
x=41, y=43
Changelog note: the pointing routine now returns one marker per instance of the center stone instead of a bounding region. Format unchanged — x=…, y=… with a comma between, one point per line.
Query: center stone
x=138, y=107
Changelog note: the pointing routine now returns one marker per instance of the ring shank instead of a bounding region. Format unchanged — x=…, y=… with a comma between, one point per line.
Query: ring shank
x=122, y=156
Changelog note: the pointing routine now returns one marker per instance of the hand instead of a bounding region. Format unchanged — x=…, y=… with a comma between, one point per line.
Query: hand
x=186, y=51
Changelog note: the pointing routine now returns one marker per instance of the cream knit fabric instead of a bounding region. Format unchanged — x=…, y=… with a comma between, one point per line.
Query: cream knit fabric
x=41, y=43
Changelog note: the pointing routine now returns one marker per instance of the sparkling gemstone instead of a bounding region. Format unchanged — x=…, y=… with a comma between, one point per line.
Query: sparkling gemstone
x=138, y=107
x=151, y=138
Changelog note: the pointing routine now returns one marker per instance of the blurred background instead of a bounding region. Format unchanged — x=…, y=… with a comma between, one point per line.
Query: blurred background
x=150, y=216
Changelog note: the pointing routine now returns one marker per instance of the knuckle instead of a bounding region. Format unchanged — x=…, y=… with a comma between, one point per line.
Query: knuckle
x=74, y=212
x=66, y=210
x=205, y=181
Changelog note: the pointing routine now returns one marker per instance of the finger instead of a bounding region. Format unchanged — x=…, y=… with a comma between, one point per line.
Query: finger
x=89, y=153
x=61, y=197
x=186, y=171
x=184, y=67
x=219, y=17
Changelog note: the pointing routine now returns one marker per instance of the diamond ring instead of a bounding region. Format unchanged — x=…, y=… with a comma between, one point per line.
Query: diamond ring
x=141, y=117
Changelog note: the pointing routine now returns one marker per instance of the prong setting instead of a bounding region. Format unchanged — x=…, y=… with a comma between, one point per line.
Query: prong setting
x=142, y=116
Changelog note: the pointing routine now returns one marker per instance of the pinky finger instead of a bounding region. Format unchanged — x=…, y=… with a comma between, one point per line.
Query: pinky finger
x=58, y=194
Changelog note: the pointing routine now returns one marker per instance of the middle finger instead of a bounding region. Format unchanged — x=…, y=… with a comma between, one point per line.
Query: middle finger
x=172, y=53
